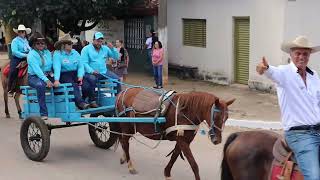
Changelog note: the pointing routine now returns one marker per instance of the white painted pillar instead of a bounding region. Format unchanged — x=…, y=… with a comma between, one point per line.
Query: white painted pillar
x=163, y=36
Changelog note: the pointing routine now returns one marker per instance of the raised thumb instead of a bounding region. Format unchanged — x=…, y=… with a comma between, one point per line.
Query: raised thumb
x=264, y=61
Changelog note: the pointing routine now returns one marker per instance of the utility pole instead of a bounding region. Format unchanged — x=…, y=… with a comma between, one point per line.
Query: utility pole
x=163, y=36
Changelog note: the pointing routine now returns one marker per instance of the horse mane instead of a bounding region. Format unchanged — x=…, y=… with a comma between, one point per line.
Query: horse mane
x=196, y=104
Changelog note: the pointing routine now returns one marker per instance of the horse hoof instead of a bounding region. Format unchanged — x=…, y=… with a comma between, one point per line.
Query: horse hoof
x=7, y=115
x=122, y=161
x=168, y=178
x=133, y=171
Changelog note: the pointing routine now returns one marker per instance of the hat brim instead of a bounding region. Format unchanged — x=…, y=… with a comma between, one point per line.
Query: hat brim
x=58, y=44
x=27, y=30
x=286, y=47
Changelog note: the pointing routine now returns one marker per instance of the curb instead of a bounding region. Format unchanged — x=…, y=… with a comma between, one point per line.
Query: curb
x=255, y=124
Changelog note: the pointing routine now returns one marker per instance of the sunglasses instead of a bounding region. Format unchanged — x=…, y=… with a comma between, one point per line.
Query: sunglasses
x=40, y=43
x=68, y=43
x=21, y=31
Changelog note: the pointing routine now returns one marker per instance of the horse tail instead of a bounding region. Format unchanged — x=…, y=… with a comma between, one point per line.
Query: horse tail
x=225, y=170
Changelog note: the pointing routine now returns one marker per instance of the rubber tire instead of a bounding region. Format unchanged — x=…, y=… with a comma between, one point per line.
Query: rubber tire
x=101, y=144
x=45, y=136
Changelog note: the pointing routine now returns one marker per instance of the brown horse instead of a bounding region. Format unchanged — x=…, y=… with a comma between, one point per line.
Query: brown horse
x=20, y=82
x=248, y=155
x=186, y=109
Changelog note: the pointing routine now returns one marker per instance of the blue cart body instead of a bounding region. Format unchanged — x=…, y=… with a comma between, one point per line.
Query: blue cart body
x=60, y=104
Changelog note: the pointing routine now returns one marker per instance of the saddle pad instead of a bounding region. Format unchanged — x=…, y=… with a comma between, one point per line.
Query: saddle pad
x=6, y=70
x=23, y=71
x=276, y=174
x=148, y=101
x=23, y=68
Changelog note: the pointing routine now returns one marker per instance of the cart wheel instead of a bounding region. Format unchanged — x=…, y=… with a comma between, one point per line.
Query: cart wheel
x=101, y=136
x=35, y=138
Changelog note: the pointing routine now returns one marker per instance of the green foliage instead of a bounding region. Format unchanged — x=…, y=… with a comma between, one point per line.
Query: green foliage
x=68, y=15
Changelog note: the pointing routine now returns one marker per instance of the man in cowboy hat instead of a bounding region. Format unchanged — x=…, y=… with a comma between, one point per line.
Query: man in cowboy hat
x=298, y=89
x=20, y=49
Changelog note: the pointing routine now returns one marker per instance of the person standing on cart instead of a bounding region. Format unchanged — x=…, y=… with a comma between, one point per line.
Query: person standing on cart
x=94, y=57
x=68, y=68
x=40, y=73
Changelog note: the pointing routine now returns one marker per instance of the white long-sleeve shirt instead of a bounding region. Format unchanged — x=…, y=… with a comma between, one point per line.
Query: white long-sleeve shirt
x=299, y=103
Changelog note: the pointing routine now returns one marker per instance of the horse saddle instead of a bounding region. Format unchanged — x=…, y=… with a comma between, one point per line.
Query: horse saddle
x=22, y=66
x=151, y=102
x=284, y=166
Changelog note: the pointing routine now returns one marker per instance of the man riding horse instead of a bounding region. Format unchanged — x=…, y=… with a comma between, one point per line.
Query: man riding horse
x=298, y=89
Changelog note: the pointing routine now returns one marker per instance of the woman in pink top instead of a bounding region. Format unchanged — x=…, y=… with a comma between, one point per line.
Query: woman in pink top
x=157, y=62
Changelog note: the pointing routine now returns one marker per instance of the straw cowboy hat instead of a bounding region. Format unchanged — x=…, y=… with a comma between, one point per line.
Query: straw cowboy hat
x=21, y=27
x=299, y=42
x=63, y=40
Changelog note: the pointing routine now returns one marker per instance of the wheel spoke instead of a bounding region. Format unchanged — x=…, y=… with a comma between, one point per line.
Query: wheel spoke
x=34, y=138
x=102, y=131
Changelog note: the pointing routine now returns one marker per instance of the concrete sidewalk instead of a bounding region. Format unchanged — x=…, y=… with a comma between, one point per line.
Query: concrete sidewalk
x=250, y=105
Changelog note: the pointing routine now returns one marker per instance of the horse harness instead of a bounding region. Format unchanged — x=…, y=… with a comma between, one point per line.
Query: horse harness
x=145, y=103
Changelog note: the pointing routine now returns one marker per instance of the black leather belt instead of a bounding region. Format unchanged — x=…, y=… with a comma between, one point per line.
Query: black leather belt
x=306, y=127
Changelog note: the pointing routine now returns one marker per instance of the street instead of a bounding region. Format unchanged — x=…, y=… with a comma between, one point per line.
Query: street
x=73, y=156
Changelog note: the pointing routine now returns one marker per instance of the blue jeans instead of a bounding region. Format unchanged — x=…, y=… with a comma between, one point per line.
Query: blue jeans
x=157, y=74
x=90, y=83
x=71, y=77
x=13, y=74
x=40, y=86
x=305, y=146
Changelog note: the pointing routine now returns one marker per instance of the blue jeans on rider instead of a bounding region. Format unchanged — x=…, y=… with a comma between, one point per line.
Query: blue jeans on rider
x=71, y=77
x=157, y=74
x=40, y=86
x=305, y=146
x=13, y=74
x=90, y=83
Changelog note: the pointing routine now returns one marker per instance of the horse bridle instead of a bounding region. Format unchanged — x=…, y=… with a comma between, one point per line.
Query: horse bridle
x=212, y=125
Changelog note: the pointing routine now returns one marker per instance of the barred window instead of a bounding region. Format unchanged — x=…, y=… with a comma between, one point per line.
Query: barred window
x=195, y=32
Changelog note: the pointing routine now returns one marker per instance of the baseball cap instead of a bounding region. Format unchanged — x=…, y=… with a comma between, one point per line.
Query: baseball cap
x=98, y=35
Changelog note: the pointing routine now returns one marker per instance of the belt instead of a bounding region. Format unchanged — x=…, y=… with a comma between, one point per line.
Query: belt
x=306, y=127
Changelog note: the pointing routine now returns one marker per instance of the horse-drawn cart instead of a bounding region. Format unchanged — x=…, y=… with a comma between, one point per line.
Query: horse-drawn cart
x=102, y=121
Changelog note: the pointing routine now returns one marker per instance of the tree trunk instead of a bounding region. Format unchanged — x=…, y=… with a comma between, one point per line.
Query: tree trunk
x=9, y=34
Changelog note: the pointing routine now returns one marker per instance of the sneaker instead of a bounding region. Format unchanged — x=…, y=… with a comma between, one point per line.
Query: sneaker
x=44, y=117
x=94, y=105
x=84, y=106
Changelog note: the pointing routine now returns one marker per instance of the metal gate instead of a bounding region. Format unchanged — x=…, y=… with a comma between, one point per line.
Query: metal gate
x=134, y=33
x=242, y=51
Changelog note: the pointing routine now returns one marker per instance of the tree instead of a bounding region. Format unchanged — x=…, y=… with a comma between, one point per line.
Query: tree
x=68, y=15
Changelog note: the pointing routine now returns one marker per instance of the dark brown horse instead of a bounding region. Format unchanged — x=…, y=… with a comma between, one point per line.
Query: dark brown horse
x=20, y=82
x=193, y=108
x=248, y=155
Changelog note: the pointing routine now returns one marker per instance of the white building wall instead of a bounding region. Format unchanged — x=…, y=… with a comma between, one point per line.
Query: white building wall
x=302, y=18
x=111, y=29
x=216, y=60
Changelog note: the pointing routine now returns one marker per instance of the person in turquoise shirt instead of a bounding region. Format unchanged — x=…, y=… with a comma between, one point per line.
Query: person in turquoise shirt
x=20, y=49
x=40, y=73
x=94, y=57
x=68, y=68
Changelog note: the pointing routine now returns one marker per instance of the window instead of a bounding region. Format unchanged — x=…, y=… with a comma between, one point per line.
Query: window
x=194, y=32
